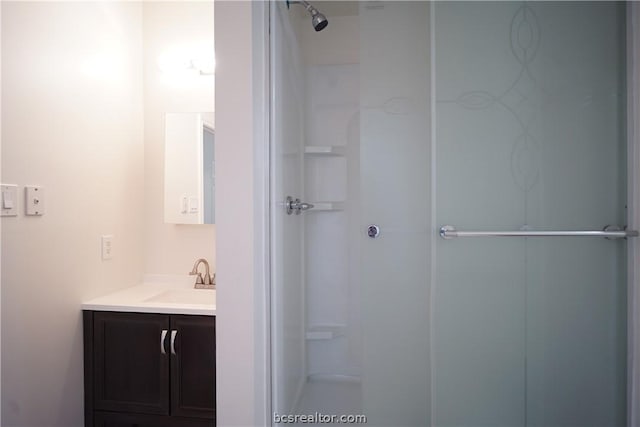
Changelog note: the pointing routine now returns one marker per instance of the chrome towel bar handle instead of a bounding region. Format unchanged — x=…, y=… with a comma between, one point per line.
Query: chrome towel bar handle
x=448, y=232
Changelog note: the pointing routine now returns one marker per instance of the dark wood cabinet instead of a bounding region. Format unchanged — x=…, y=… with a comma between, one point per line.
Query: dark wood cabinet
x=130, y=374
x=114, y=419
x=149, y=370
x=191, y=367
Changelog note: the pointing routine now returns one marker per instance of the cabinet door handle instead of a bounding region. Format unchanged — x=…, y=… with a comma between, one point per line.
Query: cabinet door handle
x=173, y=341
x=163, y=338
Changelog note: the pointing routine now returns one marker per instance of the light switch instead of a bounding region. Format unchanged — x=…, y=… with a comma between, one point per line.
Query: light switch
x=9, y=200
x=34, y=200
x=183, y=204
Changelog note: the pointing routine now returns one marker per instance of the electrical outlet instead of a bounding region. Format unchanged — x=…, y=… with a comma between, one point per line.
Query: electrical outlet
x=194, y=203
x=34, y=200
x=107, y=247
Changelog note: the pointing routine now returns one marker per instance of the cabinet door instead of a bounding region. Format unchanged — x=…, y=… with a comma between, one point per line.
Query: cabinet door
x=193, y=366
x=131, y=365
x=114, y=419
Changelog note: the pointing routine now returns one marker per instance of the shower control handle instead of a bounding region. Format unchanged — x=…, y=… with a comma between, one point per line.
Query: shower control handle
x=296, y=206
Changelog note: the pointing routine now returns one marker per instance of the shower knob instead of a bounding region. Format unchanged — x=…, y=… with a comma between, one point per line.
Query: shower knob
x=373, y=231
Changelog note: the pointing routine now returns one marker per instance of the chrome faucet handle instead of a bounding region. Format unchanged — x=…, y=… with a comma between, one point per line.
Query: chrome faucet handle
x=202, y=282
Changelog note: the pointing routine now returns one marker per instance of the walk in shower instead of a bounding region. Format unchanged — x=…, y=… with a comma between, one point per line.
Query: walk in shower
x=449, y=202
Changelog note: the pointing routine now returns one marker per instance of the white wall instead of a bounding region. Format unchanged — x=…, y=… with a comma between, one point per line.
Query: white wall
x=341, y=45
x=72, y=122
x=171, y=248
x=241, y=141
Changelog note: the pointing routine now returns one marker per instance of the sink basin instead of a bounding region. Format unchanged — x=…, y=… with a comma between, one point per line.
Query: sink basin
x=185, y=296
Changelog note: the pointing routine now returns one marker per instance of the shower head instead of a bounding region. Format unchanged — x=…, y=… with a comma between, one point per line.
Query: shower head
x=318, y=20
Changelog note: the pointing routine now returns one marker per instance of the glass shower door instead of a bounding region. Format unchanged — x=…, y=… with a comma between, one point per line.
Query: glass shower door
x=529, y=127
x=401, y=117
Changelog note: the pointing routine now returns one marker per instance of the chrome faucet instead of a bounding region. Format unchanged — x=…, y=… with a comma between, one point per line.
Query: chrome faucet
x=206, y=282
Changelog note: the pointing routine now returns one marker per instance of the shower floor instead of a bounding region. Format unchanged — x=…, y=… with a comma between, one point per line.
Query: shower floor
x=330, y=395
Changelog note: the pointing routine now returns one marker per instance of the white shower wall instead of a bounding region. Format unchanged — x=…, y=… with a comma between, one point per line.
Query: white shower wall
x=332, y=278
x=287, y=270
x=333, y=288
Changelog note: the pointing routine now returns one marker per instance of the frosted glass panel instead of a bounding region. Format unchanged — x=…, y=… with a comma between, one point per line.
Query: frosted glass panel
x=395, y=155
x=287, y=268
x=529, y=133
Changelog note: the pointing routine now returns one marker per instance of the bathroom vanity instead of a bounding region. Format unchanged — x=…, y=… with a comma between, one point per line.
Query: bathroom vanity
x=149, y=357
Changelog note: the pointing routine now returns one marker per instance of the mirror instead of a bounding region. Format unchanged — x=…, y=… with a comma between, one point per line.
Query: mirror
x=189, y=168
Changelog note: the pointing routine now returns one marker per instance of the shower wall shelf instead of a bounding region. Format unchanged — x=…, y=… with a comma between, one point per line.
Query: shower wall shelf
x=325, y=150
x=327, y=206
x=324, y=332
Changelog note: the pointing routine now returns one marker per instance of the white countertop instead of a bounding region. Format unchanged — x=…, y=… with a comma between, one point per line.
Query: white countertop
x=159, y=294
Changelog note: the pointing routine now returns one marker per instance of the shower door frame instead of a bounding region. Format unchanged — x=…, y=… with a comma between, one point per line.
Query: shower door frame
x=261, y=56
x=633, y=219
